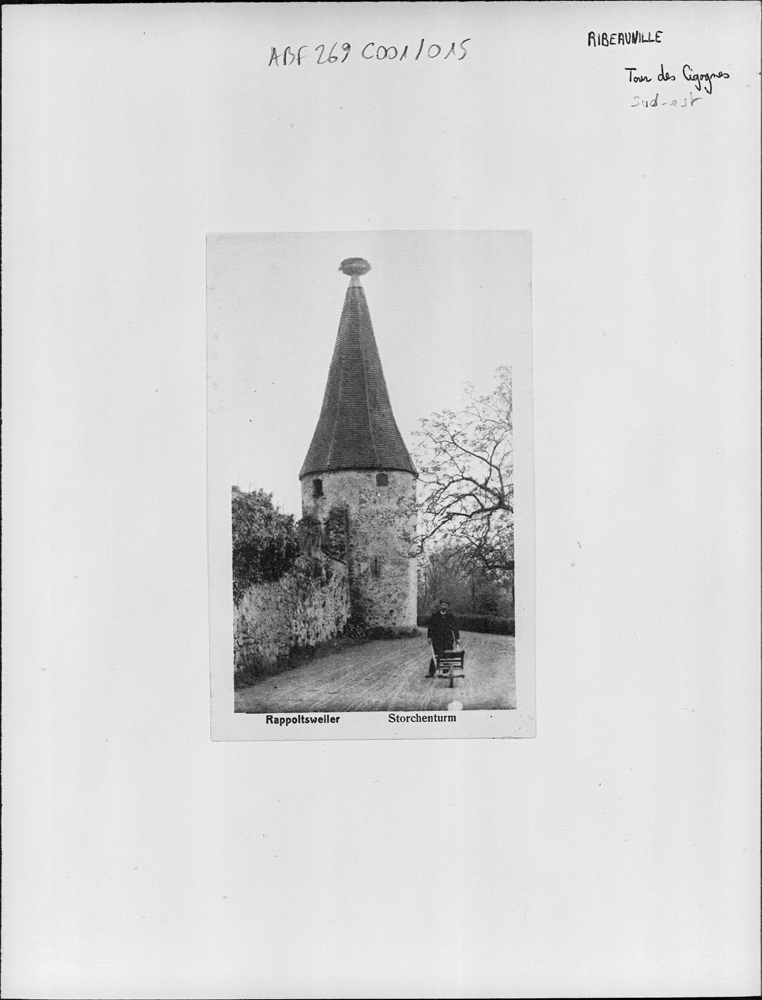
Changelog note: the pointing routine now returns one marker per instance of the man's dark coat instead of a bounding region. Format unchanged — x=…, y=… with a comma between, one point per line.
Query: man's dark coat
x=443, y=631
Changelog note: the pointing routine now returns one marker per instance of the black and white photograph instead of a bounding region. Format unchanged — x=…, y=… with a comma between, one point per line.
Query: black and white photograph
x=361, y=413
x=380, y=501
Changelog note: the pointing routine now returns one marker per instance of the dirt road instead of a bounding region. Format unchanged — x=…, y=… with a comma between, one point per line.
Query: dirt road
x=390, y=676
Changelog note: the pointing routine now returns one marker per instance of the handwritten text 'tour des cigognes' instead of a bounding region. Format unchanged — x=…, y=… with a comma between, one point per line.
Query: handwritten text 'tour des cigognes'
x=339, y=52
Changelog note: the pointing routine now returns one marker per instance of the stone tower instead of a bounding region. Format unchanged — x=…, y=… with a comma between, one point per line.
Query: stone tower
x=358, y=474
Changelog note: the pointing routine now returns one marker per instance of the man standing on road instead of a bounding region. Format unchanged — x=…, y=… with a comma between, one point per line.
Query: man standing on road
x=443, y=633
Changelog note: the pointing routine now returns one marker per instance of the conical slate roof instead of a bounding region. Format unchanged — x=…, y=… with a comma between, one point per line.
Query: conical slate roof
x=356, y=428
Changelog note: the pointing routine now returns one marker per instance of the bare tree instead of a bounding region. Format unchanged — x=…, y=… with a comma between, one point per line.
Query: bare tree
x=465, y=460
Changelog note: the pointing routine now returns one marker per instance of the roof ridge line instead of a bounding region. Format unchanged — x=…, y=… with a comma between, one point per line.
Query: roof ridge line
x=341, y=346
x=365, y=374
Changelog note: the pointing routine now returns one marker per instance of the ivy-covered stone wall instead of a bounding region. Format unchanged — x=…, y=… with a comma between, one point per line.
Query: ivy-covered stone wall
x=306, y=606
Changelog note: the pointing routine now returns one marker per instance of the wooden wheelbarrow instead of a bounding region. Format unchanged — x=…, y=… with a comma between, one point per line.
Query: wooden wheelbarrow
x=449, y=665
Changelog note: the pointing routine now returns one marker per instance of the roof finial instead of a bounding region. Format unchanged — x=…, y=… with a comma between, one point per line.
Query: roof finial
x=354, y=266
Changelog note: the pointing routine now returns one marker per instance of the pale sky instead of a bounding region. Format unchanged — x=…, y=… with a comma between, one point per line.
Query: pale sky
x=446, y=307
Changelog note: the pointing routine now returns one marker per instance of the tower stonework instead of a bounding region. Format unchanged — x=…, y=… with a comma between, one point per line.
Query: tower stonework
x=358, y=478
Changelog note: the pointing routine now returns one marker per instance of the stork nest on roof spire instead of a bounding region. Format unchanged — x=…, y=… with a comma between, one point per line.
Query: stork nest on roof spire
x=354, y=265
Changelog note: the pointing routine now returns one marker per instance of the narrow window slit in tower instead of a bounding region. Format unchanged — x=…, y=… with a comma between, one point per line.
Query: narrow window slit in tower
x=382, y=479
x=317, y=487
